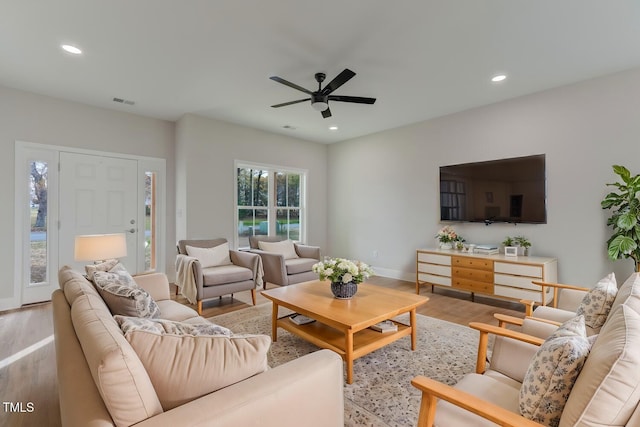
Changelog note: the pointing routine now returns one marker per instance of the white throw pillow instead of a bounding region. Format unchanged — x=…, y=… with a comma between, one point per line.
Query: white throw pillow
x=211, y=257
x=284, y=248
x=595, y=306
x=184, y=367
x=553, y=371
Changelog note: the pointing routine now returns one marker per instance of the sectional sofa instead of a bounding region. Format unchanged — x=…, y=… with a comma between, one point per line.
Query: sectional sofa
x=102, y=381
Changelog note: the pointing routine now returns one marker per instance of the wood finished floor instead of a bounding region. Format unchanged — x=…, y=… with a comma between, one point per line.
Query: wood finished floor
x=32, y=378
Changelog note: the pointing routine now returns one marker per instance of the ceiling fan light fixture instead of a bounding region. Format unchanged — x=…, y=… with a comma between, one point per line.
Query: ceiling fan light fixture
x=320, y=105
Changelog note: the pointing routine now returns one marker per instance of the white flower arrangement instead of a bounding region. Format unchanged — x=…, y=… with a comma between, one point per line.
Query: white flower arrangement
x=448, y=235
x=340, y=270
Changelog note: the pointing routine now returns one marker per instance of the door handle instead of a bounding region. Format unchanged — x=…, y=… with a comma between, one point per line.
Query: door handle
x=131, y=230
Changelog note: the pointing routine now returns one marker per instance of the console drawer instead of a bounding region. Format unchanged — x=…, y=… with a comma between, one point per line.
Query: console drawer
x=515, y=293
x=473, y=274
x=478, y=263
x=441, y=270
x=517, y=281
x=519, y=269
x=434, y=258
x=436, y=280
x=473, y=286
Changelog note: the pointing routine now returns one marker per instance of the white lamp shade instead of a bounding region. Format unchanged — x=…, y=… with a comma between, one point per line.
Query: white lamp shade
x=100, y=247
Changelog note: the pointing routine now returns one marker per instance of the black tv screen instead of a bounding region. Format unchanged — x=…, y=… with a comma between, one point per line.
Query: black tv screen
x=506, y=190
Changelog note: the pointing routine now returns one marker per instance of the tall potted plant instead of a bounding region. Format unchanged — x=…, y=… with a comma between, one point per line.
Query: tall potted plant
x=625, y=217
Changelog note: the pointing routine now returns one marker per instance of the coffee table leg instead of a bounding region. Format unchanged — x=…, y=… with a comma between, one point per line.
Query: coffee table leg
x=414, y=334
x=274, y=323
x=349, y=355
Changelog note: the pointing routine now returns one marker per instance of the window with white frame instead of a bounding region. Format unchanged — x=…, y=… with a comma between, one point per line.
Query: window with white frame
x=269, y=202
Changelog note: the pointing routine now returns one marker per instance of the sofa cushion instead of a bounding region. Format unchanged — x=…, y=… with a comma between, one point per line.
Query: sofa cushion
x=552, y=373
x=608, y=388
x=285, y=248
x=172, y=310
x=225, y=274
x=299, y=265
x=119, y=375
x=210, y=257
x=100, y=266
x=74, y=284
x=123, y=296
x=163, y=326
x=595, y=306
x=185, y=367
x=487, y=388
x=629, y=293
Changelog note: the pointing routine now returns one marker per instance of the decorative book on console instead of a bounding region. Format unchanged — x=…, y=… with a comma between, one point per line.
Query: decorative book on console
x=486, y=249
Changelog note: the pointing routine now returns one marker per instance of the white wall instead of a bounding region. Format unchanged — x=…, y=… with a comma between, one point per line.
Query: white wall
x=39, y=119
x=206, y=151
x=389, y=202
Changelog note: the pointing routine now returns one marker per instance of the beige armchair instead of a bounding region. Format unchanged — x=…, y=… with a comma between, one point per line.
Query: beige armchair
x=606, y=391
x=198, y=283
x=282, y=264
x=566, y=302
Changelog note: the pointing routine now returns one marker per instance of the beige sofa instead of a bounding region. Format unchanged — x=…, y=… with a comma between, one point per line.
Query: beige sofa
x=102, y=381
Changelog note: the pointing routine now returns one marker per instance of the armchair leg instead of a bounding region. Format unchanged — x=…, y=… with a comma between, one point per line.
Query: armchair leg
x=253, y=296
x=200, y=307
x=427, y=413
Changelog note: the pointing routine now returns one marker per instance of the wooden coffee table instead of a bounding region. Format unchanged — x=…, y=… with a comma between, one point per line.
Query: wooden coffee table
x=343, y=325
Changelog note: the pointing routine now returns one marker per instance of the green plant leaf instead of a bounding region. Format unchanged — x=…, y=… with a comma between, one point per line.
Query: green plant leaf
x=623, y=172
x=627, y=220
x=621, y=246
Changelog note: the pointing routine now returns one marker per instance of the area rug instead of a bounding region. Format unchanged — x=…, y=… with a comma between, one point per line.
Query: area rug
x=381, y=393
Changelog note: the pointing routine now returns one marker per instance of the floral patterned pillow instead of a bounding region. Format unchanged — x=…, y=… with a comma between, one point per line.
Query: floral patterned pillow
x=162, y=327
x=99, y=266
x=123, y=296
x=595, y=306
x=552, y=373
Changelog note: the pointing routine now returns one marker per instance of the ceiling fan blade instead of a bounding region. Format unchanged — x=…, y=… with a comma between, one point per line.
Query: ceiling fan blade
x=356, y=99
x=326, y=113
x=290, y=103
x=338, y=81
x=291, y=85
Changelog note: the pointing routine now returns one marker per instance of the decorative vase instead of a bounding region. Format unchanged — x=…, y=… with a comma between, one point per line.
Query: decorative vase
x=446, y=245
x=344, y=290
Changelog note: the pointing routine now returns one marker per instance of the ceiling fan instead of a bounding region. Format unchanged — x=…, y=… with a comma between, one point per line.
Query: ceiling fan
x=320, y=98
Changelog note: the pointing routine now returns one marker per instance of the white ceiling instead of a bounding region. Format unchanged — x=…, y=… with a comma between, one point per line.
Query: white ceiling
x=420, y=58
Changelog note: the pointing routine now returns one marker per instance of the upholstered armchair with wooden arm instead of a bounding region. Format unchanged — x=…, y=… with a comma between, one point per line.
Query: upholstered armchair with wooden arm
x=204, y=272
x=285, y=262
x=605, y=390
x=569, y=300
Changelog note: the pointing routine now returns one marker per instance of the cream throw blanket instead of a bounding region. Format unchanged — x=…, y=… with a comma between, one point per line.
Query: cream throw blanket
x=185, y=279
x=187, y=282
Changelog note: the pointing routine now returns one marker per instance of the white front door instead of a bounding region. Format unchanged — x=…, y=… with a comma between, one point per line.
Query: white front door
x=98, y=195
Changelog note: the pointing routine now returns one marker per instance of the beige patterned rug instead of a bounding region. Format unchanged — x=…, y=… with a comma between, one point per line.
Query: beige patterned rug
x=381, y=394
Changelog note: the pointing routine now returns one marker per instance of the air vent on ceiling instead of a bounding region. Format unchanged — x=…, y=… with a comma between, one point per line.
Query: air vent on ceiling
x=123, y=101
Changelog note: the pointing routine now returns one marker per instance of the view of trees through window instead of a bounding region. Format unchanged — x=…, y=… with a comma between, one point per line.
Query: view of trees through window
x=38, y=224
x=269, y=202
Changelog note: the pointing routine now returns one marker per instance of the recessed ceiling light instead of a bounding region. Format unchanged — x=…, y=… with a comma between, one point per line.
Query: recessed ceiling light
x=71, y=49
x=333, y=127
x=498, y=78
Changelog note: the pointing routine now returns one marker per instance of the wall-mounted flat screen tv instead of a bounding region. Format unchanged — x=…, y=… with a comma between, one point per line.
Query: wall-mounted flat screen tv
x=505, y=190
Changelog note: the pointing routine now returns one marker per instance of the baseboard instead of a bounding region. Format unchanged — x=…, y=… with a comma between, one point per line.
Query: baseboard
x=9, y=304
x=394, y=274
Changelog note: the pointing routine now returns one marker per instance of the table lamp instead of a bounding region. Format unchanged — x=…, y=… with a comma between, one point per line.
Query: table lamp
x=100, y=247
